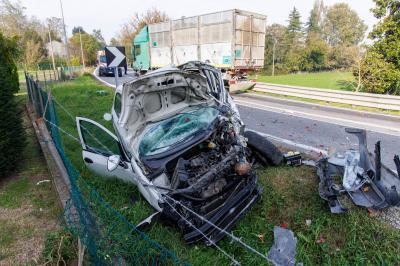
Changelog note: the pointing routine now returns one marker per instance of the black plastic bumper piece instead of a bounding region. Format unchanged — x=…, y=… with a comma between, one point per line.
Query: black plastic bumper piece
x=226, y=217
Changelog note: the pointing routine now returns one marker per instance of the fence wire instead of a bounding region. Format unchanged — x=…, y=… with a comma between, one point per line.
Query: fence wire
x=109, y=237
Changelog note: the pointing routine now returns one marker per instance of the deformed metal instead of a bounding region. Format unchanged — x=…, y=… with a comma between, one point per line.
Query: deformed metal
x=367, y=181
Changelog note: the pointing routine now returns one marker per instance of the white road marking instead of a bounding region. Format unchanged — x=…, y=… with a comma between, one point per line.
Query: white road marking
x=322, y=118
x=102, y=81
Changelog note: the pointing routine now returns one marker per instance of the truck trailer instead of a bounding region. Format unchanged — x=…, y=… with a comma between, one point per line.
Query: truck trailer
x=231, y=40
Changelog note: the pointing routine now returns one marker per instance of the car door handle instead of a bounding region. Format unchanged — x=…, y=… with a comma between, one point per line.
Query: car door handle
x=88, y=160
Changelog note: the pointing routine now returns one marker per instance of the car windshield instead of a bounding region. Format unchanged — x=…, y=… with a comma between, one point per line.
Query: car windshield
x=103, y=59
x=161, y=136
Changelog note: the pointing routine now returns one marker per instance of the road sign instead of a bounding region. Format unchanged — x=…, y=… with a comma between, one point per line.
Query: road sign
x=115, y=56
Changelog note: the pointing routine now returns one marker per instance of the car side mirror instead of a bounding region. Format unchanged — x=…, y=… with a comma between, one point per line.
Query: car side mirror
x=107, y=116
x=113, y=162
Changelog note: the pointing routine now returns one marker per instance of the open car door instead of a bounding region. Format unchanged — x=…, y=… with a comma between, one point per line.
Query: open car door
x=102, y=152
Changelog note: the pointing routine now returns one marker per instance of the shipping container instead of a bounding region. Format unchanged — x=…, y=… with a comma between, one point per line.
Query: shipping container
x=231, y=40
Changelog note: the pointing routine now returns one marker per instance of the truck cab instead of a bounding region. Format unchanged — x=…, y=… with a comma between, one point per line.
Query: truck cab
x=140, y=50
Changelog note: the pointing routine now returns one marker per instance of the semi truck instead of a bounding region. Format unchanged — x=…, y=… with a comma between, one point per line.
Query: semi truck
x=231, y=40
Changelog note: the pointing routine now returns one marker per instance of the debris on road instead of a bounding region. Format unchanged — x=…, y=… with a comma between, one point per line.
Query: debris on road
x=367, y=181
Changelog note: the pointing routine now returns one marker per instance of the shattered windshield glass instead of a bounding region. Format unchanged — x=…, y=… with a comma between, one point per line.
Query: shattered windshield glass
x=179, y=128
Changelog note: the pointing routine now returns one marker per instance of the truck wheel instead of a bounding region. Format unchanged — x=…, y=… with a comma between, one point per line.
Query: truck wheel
x=263, y=148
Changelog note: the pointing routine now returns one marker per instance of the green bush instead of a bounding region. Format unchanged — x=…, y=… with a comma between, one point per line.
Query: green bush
x=378, y=76
x=12, y=139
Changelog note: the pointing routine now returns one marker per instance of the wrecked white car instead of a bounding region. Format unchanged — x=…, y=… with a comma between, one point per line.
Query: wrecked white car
x=180, y=139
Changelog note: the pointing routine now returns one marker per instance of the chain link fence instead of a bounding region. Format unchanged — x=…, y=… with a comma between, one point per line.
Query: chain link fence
x=109, y=238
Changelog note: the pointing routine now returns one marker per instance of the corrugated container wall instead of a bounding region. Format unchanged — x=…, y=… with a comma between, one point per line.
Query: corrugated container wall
x=228, y=39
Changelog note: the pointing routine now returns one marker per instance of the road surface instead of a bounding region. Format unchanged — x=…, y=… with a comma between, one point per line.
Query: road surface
x=312, y=126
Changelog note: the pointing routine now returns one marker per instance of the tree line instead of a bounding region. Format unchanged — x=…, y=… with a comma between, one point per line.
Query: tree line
x=33, y=36
x=328, y=40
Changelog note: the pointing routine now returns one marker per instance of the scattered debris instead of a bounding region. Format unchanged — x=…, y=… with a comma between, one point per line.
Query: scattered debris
x=365, y=179
x=293, y=158
x=283, y=251
x=42, y=181
x=320, y=240
x=102, y=92
x=308, y=222
x=261, y=237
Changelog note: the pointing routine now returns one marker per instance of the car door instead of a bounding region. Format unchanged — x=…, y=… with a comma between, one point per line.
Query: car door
x=98, y=144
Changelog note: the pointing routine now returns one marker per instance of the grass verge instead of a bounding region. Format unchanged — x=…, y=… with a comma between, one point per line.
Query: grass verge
x=335, y=80
x=29, y=207
x=290, y=197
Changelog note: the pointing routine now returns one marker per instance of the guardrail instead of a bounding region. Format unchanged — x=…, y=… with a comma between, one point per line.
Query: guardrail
x=387, y=102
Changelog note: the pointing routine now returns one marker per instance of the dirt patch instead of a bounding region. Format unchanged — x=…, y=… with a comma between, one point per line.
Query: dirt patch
x=25, y=242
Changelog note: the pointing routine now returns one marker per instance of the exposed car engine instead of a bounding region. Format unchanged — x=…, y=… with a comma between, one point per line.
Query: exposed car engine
x=217, y=180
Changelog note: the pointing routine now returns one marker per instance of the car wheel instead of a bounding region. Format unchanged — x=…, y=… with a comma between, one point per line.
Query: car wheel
x=265, y=150
x=120, y=75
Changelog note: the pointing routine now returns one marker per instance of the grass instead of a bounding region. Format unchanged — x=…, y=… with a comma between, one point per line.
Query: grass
x=28, y=211
x=290, y=197
x=335, y=80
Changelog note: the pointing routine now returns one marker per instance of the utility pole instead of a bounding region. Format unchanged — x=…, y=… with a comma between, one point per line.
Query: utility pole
x=65, y=35
x=273, y=56
x=51, y=50
x=80, y=38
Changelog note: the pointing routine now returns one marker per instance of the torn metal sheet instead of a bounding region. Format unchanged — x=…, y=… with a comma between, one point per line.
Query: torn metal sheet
x=367, y=181
x=283, y=251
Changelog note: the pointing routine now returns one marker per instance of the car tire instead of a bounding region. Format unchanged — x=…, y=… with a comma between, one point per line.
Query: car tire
x=120, y=75
x=265, y=150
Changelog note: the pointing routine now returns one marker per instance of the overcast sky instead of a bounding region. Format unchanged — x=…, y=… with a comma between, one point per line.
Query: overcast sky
x=108, y=15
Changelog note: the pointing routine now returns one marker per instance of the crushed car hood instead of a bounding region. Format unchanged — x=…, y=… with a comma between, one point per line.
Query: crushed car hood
x=157, y=96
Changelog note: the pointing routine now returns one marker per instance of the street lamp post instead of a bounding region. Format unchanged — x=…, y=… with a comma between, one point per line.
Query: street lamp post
x=273, y=56
x=65, y=35
x=80, y=39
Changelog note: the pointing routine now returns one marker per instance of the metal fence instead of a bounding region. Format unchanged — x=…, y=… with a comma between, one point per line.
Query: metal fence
x=108, y=236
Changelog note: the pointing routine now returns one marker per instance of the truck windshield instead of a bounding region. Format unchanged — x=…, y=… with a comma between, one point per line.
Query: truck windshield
x=180, y=128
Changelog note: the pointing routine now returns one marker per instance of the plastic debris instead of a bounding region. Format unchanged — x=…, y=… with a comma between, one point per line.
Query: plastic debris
x=42, y=181
x=283, y=251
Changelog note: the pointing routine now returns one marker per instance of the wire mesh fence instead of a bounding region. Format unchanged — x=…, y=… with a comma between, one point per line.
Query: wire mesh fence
x=108, y=236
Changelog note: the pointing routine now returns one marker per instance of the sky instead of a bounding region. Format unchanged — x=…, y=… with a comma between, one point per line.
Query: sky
x=109, y=15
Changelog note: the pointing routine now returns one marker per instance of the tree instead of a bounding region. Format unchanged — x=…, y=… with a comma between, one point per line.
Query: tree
x=12, y=139
x=294, y=29
x=315, y=20
x=380, y=68
x=342, y=26
x=90, y=47
x=12, y=18
x=114, y=42
x=76, y=30
x=276, y=34
x=386, y=33
x=294, y=41
x=378, y=75
x=99, y=37
x=55, y=27
x=315, y=56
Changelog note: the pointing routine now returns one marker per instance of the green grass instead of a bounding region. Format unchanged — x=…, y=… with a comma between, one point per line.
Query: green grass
x=27, y=211
x=326, y=80
x=290, y=197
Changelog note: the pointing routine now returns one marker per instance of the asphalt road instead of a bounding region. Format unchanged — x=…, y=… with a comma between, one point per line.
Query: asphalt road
x=310, y=126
